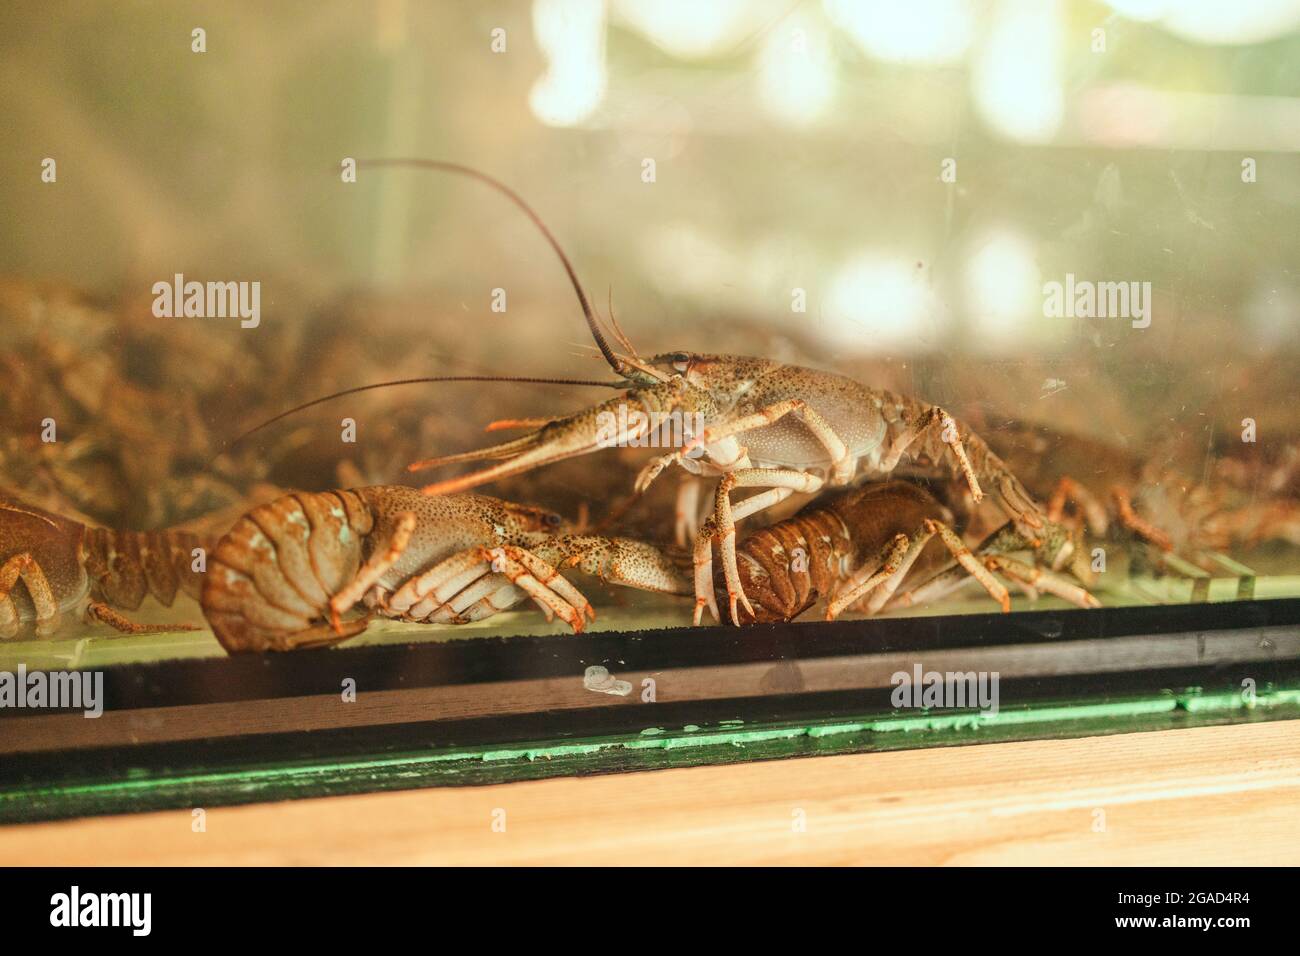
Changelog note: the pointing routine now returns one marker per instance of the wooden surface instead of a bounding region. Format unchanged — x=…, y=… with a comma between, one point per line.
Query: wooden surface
x=1220, y=795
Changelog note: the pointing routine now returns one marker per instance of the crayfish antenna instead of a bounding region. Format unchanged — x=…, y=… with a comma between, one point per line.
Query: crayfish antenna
x=615, y=363
x=632, y=362
x=520, y=379
x=619, y=334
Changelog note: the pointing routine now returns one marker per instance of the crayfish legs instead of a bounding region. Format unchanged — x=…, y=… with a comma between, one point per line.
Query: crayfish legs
x=854, y=550
x=758, y=424
x=287, y=573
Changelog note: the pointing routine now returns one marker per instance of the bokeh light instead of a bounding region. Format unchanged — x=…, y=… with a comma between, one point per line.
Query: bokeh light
x=797, y=71
x=1017, y=79
x=881, y=302
x=571, y=34
x=930, y=32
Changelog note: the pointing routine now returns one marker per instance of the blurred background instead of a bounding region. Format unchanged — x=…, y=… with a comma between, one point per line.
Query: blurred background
x=877, y=188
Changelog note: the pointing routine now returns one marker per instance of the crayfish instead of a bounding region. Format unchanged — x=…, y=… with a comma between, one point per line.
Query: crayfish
x=855, y=548
x=756, y=423
x=287, y=572
x=66, y=566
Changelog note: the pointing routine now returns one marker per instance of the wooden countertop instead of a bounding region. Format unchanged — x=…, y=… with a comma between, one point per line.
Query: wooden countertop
x=1214, y=795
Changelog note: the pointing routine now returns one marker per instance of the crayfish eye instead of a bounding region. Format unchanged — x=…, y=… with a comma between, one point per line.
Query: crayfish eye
x=553, y=519
x=681, y=361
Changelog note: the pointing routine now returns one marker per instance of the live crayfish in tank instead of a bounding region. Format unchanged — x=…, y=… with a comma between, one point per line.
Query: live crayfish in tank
x=865, y=500
x=287, y=572
x=802, y=429
x=416, y=395
x=826, y=434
